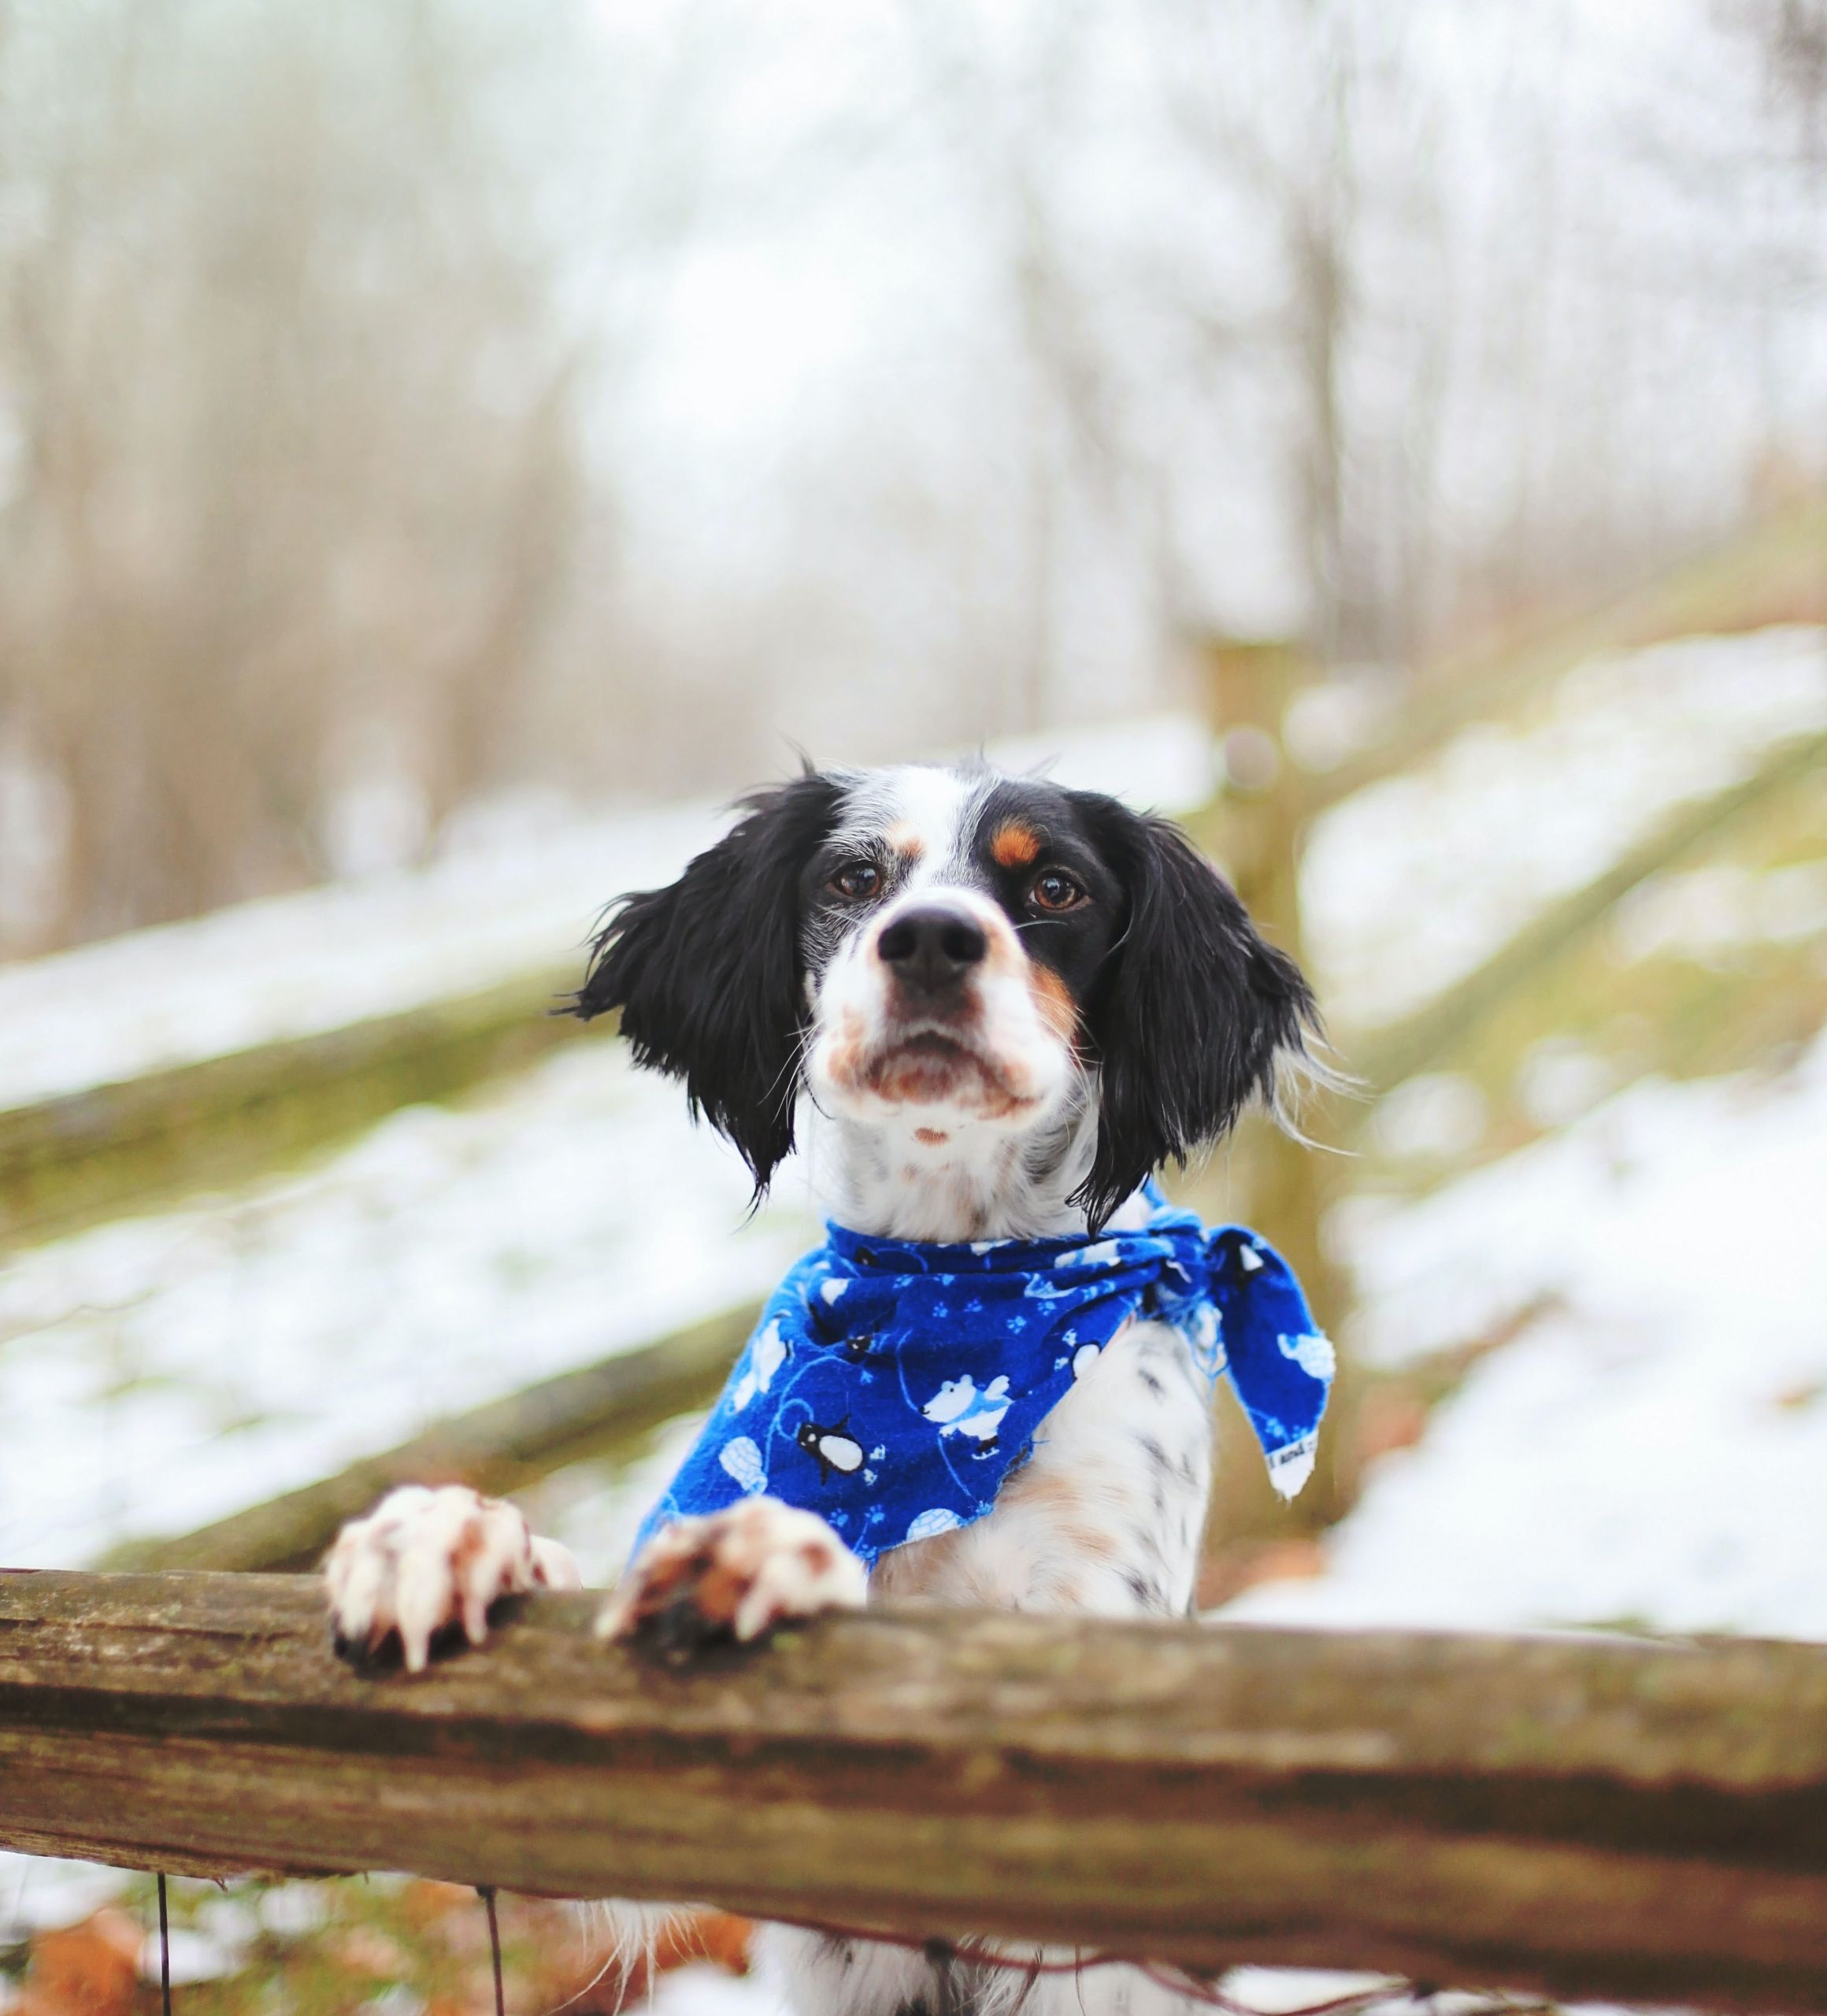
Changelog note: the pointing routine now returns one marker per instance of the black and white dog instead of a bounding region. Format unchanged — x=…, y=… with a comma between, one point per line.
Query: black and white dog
x=991, y=1007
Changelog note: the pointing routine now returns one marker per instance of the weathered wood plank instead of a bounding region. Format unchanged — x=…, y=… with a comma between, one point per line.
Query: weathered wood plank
x=597, y=1410
x=1592, y=1816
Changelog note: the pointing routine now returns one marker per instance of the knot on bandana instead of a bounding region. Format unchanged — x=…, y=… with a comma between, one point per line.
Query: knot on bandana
x=891, y=1384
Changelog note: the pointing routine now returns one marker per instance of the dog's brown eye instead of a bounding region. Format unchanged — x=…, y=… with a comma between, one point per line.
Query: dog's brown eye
x=858, y=881
x=1056, y=890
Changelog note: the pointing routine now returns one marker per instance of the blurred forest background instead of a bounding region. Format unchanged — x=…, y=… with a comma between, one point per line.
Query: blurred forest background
x=415, y=409
x=449, y=447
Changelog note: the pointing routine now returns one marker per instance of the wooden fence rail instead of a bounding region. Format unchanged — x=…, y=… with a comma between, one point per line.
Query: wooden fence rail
x=1773, y=571
x=84, y=1156
x=1383, y=1059
x=1588, y=1816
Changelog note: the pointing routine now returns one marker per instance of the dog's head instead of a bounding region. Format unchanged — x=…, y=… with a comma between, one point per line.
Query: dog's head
x=955, y=957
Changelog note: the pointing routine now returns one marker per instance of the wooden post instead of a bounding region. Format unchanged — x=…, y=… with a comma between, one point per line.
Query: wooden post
x=1258, y=833
x=1254, y=829
x=1596, y=1817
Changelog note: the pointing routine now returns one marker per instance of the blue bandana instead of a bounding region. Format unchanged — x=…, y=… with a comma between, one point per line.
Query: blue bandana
x=892, y=1384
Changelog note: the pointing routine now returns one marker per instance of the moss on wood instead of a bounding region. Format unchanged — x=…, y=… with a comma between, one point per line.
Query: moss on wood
x=1599, y=1817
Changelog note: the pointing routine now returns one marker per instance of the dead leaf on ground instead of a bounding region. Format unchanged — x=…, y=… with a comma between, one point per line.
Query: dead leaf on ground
x=87, y=1969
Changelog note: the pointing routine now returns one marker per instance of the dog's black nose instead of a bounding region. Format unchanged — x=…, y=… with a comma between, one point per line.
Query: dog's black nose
x=932, y=949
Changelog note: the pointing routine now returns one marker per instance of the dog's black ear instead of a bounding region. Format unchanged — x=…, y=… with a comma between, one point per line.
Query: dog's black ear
x=707, y=972
x=1192, y=1014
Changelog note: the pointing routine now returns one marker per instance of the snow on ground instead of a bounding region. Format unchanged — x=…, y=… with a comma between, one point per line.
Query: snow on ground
x=1409, y=885
x=709, y=1991
x=1652, y=1448
x=160, y=1372
x=706, y=1992
x=492, y=910
x=295, y=965
x=1706, y=912
x=596, y=1508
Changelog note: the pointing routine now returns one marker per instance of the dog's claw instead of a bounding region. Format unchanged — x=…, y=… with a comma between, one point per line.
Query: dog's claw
x=425, y=1566
x=734, y=1574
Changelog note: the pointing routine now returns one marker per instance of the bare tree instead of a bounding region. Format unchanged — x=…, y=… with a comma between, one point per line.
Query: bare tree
x=295, y=480
x=1793, y=36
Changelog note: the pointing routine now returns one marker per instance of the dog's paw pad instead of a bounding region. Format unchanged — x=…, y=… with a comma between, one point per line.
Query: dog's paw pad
x=426, y=1561
x=734, y=1574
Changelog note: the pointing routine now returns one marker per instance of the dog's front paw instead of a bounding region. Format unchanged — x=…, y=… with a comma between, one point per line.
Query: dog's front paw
x=734, y=1573
x=423, y=1560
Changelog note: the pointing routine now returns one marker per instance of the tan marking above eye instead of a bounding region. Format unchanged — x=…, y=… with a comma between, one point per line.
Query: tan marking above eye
x=905, y=842
x=1016, y=844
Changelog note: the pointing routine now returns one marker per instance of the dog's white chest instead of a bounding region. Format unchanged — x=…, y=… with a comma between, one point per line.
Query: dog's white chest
x=1105, y=1517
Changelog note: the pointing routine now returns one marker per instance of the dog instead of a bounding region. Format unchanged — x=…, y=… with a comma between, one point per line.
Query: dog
x=988, y=1008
